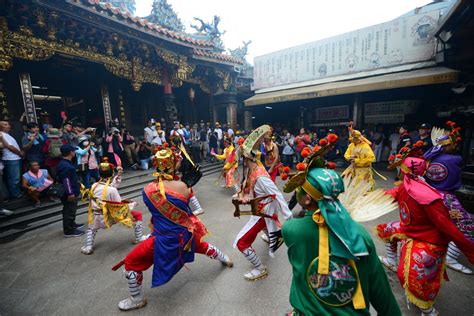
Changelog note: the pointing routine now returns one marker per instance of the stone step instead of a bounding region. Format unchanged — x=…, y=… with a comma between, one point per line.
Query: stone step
x=30, y=218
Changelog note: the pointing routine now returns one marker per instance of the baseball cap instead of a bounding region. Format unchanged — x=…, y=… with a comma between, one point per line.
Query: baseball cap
x=425, y=126
x=66, y=149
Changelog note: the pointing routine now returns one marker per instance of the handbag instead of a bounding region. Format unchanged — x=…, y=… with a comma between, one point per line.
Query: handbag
x=56, y=189
x=84, y=167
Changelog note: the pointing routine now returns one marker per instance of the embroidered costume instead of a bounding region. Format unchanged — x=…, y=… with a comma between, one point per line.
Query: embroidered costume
x=335, y=266
x=177, y=233
x=106, y=207
x=231, y=159
x=258, y=185
x=361, y=157
x=425, y=230
x=444, y=174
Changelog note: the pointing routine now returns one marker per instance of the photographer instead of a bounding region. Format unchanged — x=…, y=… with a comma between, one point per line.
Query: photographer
x=143, y=151
x=288, y=143
x=129, y=147
x=115, y=147
x=32, y=144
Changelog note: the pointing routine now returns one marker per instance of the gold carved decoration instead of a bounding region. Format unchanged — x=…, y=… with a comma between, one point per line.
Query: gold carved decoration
x=18, y=45
x=225, y=79
x=183, y=68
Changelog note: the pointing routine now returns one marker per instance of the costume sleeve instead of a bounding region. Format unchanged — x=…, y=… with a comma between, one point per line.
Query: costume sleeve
x=348, y=153
x=380, y=293
x=367, y=156
x=439, y=216
x=265, y=186
x=393, y=192
x=113, y=195
x=223, y=156
x=116, y=181
x=108, y=139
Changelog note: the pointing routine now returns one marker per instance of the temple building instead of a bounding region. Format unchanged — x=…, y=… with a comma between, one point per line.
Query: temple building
x=95, y=61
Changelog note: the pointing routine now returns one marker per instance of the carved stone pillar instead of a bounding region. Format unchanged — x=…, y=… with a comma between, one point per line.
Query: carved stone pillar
x=229, y=100
x=248, y=120
x=232, y=115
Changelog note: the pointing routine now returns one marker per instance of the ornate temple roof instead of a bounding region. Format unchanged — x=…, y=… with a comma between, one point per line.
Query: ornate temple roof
x=162, y=22
x=222, y=57
x=143, y=24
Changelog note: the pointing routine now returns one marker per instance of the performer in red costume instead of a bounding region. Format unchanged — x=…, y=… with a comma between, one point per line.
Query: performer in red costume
x=177, y=233
x=425, y=229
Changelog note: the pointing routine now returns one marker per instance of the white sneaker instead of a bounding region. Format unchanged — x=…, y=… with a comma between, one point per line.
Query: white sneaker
x=457, y=266
x=256, y=274
x=265, y=238
x=87, y=250
x=198, y=212
x=6, y=212
x=433, y=312
x=389, y=264
x=131, y=303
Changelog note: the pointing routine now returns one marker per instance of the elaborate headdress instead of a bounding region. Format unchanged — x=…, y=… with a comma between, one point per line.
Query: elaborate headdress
x=251, y=145
x=405, y=152
x=324, y=186
x=106, y=169
x=165, y=161
x=355, y=134
x=442, y=138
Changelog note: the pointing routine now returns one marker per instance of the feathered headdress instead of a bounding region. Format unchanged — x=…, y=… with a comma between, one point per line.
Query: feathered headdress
x=444, y=137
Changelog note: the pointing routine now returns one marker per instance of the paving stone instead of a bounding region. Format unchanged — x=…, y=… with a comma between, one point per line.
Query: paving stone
x=7, y=279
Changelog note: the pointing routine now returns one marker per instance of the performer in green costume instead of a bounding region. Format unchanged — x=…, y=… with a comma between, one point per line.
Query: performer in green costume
x=336, y=270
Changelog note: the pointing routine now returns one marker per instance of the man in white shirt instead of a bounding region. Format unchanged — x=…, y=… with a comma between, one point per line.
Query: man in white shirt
x=11, y=160
x=159, y=137
x=150, y=132
x=220, y=142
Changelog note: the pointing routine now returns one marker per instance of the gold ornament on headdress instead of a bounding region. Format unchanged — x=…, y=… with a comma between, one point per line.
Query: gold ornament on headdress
x=355, y=134
x=164, y=162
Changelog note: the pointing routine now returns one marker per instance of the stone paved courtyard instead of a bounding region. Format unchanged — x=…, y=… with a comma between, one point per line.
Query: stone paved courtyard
x=43, y=273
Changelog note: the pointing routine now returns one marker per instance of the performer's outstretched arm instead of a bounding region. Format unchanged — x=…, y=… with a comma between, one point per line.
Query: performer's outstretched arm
x=439, y=216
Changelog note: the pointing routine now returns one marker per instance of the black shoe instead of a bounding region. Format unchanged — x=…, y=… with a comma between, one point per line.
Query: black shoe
x=79, y=226
x=74, y=233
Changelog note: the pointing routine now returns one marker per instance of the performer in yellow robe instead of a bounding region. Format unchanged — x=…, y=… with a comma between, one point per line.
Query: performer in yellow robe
x=231, y=163
x=360, y=155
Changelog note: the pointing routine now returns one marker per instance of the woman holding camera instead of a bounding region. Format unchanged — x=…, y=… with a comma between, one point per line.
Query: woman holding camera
x=115, y=148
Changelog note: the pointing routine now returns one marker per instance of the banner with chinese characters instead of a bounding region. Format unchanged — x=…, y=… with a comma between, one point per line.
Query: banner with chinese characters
x=332, y=113
x=407, y=39
x=123, y=120
x=106, y=103
x=390, y=112
x=28, y=98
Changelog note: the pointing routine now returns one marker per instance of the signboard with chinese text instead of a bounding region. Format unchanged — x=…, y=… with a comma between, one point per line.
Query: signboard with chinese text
x=106, y=103
x=405, y=40
x=332, y=113
x=389, y=112
x=28, y=98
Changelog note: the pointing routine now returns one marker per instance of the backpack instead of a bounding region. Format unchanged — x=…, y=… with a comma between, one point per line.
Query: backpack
x=54, y=150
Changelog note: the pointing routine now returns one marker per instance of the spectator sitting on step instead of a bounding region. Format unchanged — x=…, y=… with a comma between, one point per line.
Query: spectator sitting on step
x=143, y=151
x=36, y=182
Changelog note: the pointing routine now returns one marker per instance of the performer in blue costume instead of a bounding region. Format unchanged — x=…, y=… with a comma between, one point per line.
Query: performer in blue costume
x=177, y=233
